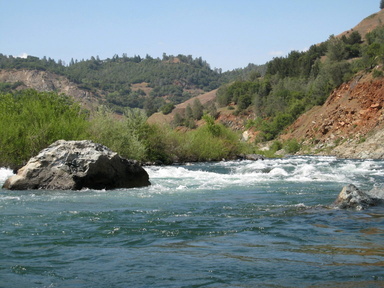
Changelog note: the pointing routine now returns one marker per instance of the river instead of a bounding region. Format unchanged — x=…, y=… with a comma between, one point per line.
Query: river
x=226, y=224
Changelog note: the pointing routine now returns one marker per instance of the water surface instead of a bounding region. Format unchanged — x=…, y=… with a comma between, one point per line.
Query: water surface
x=225, y=224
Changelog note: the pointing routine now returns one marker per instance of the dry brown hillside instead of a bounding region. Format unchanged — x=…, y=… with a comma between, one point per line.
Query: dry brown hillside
x=368, y=24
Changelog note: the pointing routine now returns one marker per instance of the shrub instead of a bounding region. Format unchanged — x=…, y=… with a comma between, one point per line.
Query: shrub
x=276, y=146
x=31, y=120
x=377, y=73
x=167, y=108
x=125, y=136
x=291, y=146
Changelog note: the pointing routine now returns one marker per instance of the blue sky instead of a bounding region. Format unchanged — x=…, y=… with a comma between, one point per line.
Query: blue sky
x=228, y=34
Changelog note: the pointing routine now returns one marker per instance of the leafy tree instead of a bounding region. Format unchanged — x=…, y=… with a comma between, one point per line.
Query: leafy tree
x=167, y=108
x=188, y=112
x=197, y=109
x=336, y=49
x=382, y=4
x=177, y=120
x=212, y=110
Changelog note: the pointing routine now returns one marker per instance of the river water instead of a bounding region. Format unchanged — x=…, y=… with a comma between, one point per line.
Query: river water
x=225, y=224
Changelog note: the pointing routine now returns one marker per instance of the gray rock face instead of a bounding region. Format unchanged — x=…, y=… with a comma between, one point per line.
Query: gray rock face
x=74, y=165
x=351, y=197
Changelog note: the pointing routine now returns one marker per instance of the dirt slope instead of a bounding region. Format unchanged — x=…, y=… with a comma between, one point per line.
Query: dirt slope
x=352, y=116
x=368, y=24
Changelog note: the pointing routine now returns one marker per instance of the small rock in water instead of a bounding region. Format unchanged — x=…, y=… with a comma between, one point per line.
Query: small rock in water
x=351, y=197
x=253, y=157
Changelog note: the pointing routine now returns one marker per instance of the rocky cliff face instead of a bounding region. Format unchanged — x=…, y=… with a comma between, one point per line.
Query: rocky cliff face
x=47, y=81
x=350, y=124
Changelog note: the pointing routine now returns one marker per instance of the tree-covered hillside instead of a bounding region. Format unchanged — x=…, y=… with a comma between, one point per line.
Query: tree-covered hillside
x=295, y=83
x=172, y=79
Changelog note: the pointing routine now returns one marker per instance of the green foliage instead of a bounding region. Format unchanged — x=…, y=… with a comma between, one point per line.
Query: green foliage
x=291, y=146
x=336, y=50
x=9, y=87
x=378, y=73
x=197, y=109
x=375, y=36
x=210, y=142
x=295, y=83
x=167, y=108
x=178, y=120
x=270, y=129
x=296, y=64
x=31, y=120
x=212, y=110
x=171, y=76
x=276, y=146
x=125, y=136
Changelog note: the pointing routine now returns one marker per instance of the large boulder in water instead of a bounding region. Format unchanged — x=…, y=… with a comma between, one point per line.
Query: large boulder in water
x=74, y=165
x=351, y=197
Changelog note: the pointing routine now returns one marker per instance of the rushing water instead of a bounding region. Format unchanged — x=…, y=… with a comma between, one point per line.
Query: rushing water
x=226, y=224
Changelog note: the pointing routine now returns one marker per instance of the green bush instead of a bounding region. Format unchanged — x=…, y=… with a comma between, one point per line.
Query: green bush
x=378, y=73
x=210, y=142
x=276, y=146
x=31, y=121
x=291, y=146
x=125, y=136
x=167, y=108
x=270, y=129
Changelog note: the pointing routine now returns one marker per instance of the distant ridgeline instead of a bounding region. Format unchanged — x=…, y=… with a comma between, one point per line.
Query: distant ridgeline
x=172, y=79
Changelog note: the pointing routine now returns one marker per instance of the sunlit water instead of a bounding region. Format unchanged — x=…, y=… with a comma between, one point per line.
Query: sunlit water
x=226, y=224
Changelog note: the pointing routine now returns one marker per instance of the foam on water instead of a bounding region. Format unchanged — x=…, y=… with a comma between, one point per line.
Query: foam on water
x=221, y=175
x=296, y=169
x=4, y=174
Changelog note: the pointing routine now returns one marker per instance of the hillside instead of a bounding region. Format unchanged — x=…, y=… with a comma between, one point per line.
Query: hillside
x=367, y=25
x=350, y=123
x=48, y=81
x=122, y=81
x=160, y=118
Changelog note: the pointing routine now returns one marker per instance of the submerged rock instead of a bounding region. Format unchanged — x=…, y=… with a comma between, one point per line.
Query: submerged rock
x=351, y=197
x=253, y=157
x=74, y=165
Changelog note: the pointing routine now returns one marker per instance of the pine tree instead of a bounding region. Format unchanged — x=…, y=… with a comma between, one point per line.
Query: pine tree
x=382, y=4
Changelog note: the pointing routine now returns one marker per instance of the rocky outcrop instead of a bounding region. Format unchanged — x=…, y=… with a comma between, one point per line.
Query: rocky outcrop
x=350, y=124
x=352, y=197
x=74, y=165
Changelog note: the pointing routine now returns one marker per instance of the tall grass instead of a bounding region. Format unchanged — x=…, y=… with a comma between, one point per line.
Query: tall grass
x=31, y=121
